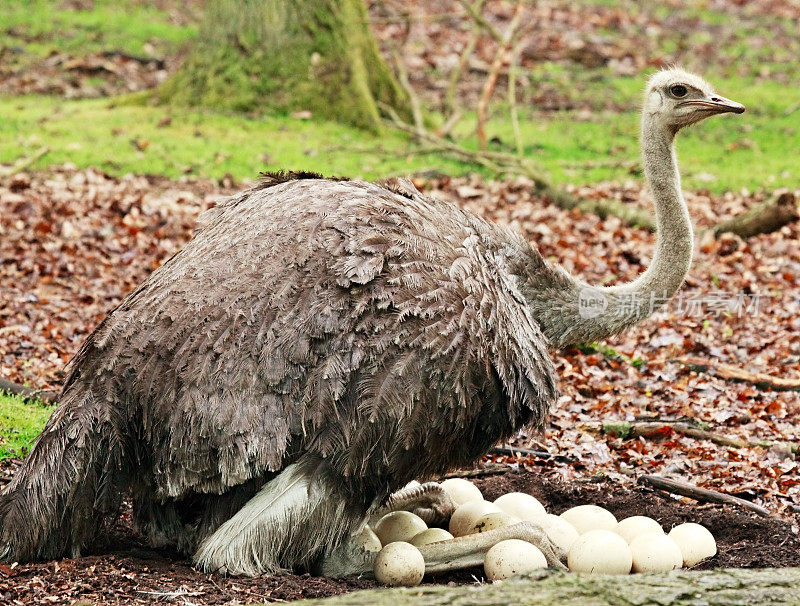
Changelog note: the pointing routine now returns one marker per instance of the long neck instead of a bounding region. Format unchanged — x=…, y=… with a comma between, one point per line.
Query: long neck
x=673, y=253
x=576, y=312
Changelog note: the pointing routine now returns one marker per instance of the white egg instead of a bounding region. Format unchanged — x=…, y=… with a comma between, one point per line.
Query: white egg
x=368, y=540
x=600, y=551
x=558, y=530
x=492, y=521
x=695, y=542
x=464, y=518
x=432, y=535
x=521, y=505
x=510, y=558
x=590, y=517
x=655, y=552
x=461, y=490
x=398, y=526
x=399, y=564
x=632, y=527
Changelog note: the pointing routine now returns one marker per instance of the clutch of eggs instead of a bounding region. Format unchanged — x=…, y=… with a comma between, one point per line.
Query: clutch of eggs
x=591, y=537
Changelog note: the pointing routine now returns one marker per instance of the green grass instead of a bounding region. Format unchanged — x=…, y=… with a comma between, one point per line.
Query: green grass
x=20, y=423
x=128, y=138
x=755, y=150
x=39, y=27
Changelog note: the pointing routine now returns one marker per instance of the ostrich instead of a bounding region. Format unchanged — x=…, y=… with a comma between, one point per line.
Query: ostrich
x=316, y=346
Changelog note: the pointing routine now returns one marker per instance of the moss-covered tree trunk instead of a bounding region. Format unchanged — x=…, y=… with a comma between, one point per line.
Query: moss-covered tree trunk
x=285, y=56
x=731, y=587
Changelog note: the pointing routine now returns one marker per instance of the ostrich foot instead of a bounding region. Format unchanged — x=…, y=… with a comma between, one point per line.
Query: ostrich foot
x=350, y=559
x=470, y=550
x=429, y=501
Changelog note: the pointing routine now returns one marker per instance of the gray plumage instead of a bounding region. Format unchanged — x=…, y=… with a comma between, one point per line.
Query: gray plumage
x=316, y=345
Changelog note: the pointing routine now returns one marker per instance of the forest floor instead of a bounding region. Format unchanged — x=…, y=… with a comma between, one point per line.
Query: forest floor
x=73, y=242
x=101, y=194
x=127, y=572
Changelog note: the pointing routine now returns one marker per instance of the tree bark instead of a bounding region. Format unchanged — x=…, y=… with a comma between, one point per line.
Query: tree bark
x=781, y=209
x=680, y=587
x=286, y=56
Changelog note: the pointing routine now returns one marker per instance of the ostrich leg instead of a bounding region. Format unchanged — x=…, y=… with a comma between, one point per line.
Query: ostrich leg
x=350, y=559
x=429, y=501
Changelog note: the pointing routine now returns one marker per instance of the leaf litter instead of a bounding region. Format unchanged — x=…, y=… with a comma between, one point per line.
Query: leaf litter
x=74, y=242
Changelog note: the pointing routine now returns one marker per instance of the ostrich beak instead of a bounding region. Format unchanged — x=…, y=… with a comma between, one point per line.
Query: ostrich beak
x=717, y=105
x=723, y=105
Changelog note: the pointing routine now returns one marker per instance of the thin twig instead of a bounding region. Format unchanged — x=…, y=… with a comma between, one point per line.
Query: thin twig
x=791, y=109
x=474, y=11
x=704, y=495
x=488, y=470
x=513, y=451
x=491, y=80
x=733, y=373
x=512, y=98
x=449, y=124
x=450, y=103
x=528, y=452
x=416, y=110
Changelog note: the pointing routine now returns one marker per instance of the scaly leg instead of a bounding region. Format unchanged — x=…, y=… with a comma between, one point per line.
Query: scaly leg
x=350, y=559
x=429, y=501
x=470, y=550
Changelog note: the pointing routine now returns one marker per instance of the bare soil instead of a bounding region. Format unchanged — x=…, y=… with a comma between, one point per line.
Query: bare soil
x=125, y=571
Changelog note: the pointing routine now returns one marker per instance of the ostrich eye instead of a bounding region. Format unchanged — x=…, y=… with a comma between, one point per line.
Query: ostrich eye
x=679, y=90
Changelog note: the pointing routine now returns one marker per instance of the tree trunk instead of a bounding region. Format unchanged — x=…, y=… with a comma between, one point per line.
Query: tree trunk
x=286, y=56
x=703, y=587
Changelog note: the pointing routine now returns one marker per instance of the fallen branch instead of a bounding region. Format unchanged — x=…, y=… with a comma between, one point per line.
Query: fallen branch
x=704, y=495
x=23, y=163
x=781, y=209
x=159, y=63
x=498, y=162
x=494, y=161
x=663, y=429
x=27, y=393
x=733, y=373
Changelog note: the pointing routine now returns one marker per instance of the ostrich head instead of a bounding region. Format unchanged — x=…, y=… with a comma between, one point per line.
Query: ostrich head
x=677, y=98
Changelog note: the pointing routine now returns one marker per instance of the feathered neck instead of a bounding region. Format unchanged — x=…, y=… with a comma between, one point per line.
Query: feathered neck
x=572, y=311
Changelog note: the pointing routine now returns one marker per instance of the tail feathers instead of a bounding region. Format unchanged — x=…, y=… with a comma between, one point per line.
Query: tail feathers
x=68, y=484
